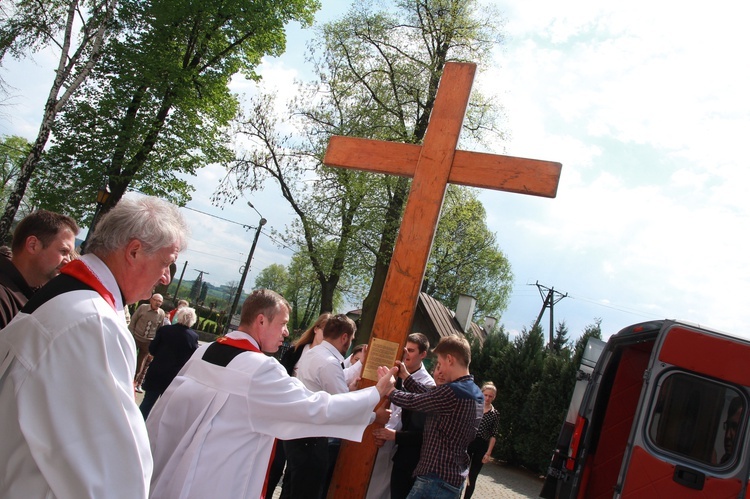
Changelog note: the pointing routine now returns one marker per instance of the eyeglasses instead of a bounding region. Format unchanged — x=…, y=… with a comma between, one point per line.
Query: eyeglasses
x=731, y=425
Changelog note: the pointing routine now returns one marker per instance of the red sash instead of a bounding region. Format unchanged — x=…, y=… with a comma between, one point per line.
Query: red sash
x=238, y=343
x=80, y=271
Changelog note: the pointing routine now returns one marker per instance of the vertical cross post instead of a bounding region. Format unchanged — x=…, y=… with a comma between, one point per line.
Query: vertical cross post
x=432, y=165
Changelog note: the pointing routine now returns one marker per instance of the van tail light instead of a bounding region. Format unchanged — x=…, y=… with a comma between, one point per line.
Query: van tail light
x=575, y=441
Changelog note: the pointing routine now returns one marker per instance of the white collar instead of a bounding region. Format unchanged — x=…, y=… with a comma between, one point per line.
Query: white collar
x=105, y=276
x=241, y=335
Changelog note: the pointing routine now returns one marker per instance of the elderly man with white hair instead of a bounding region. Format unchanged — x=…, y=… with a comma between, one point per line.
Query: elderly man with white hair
x=71, y=427
x=147, y=318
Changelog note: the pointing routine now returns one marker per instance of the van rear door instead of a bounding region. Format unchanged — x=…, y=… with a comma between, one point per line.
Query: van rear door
x=688, y=439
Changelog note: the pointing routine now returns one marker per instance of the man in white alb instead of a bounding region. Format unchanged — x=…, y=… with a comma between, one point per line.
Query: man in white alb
x=212, y=432
x=70, y=424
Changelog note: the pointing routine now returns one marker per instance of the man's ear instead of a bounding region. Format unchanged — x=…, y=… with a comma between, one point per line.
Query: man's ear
x=133, y=251
x=451, y=360
x=33, y=245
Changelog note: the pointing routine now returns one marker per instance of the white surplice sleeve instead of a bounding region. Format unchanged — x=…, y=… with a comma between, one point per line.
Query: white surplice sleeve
x=281, y=406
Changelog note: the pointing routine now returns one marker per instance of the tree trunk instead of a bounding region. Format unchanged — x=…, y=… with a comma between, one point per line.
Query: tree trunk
x=383, y=260
x=55, y=102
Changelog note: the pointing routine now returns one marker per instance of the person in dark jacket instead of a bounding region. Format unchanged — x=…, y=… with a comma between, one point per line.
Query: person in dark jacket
x=171, y=347
x=43, y=242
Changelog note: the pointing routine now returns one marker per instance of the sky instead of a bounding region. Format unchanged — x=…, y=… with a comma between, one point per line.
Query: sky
x=644, y=104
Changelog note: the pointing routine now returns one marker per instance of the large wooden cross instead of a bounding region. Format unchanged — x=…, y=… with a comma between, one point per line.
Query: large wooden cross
x=432, y=166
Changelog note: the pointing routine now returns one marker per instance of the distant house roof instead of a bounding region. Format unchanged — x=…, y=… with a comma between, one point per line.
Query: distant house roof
x=435, y=320
x=443, y=319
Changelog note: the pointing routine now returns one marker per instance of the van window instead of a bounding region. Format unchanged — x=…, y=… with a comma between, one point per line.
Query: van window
x=697, y=418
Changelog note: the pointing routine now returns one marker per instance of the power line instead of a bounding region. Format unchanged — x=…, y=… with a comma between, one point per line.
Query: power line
x=246, y=226
x=618, y=308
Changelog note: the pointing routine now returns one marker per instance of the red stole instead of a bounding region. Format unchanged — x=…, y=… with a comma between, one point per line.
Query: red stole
x=238, y=343
x=80, y=271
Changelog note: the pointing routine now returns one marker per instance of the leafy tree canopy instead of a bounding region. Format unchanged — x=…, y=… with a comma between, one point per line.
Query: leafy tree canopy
x=158, y=104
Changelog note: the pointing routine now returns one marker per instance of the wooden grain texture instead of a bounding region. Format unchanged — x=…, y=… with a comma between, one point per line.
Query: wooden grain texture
x=474, y=169
x=432, y=166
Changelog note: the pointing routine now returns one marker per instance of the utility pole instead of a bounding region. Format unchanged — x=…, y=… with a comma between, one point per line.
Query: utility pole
x=550, y=299
x=177, y=290
x=197, y=285
x=261, y=223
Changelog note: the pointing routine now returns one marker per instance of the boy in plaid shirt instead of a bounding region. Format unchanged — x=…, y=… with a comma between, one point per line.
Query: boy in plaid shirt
x=454, y=410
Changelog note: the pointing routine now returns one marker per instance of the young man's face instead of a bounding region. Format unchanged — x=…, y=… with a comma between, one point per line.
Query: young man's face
x=51, y=258
x=273, y=332
x=413, y=357
x=445, y=368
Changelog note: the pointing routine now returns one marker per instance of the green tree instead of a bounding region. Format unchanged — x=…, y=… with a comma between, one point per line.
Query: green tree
x=518, y=366
x=304, y=291
x=377, y=74
x=30, y=26
x=486, y=358
x=465, y=257
x=274, y=277
x=390, y=82
x=560, y=341
x=13, y=151
x=204, y=292
x=195, y=289
x=544, y=411
x=325, y=222
x=158, y=105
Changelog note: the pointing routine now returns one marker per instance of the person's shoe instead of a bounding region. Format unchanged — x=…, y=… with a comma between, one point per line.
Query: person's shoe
x=139, y=389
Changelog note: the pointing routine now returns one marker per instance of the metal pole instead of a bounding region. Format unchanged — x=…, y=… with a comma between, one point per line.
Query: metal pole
x=177, y=290
x=261, y=223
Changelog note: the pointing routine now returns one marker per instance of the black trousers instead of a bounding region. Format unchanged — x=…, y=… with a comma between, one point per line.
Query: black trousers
x=477, y=449
x=401, y=481
x=277, y=468
x=306, y=467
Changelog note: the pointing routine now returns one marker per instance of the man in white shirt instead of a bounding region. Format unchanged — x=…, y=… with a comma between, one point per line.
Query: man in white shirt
x=212, y=432
x=392, y=440
x=71, y=427
x=310, y=460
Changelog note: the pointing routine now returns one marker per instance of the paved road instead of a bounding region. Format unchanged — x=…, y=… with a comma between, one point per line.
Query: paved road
x=497, y=481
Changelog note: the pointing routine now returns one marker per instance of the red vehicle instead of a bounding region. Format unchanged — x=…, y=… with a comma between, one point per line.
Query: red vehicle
x=659, y=411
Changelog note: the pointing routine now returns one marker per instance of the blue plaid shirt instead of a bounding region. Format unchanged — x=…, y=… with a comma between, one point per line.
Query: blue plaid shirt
x=454, y=411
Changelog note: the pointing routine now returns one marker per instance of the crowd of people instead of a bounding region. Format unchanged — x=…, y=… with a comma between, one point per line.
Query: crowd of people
x=223, y=419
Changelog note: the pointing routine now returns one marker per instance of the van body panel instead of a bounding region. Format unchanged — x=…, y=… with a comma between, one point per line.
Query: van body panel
x=715, y=355
x=651, y=477
x=615, y=429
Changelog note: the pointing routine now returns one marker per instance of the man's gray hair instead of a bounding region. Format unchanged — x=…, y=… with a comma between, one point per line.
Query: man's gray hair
x=153, y=221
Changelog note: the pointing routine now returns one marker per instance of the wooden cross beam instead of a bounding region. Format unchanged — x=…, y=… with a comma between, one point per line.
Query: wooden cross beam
x=432, y=166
